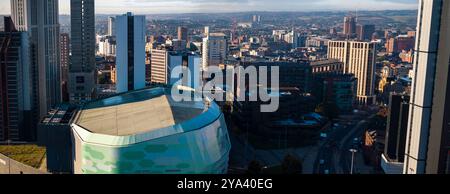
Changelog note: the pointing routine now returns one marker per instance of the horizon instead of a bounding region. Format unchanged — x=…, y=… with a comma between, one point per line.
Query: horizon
x=155, y=7
x=244, y=12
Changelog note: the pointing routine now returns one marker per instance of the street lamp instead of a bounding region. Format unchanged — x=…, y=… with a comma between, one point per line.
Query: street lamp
x=353, y=151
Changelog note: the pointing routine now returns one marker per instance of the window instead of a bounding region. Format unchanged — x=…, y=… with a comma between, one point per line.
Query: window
x=80, y=79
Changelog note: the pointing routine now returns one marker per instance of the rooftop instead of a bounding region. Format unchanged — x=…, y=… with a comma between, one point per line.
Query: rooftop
x=325, y=62
x=137, y=112
x=31, y=155
x=217, y=34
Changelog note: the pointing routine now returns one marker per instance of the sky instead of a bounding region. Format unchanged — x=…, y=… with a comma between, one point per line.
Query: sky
x=214, y=6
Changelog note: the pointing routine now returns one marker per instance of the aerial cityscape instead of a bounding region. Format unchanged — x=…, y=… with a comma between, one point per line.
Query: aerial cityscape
x=225, y=87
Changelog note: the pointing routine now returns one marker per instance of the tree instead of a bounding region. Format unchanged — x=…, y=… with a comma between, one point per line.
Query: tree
x=254, y=167
x=292, y=165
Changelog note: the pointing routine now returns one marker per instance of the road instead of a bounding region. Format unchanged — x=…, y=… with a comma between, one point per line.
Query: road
x=334, y=156
x=345, y=156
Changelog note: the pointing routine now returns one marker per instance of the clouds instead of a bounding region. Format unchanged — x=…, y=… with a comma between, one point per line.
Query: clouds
x=213, y=6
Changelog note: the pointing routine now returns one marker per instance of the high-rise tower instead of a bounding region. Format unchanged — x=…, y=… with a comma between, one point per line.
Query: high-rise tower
x=428, y=141
x=82, y=79
x=40, y=18
x=130, y=52
x=359, y=59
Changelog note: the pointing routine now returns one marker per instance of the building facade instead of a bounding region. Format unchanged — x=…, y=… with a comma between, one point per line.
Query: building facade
x=82, y=70
x=341, y=91
x=359, y=60
x=214, y=49
x=40, y=18
x=427, y=144
x=164, y=61
x=291, y=74
x=15, y=86
x=159, y=62
x=112, y=26
x=107, y=46
x=328, y=66
x=365, y=32
x=396, y=128
x=182, y=33
x=349, y=26
x=130, y=63
x=399, y=43
x=65, y=61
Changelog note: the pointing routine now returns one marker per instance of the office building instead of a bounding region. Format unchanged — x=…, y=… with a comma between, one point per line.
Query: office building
x=112, y=26
x=15, y=85
x=159, y=65
x=291, y=74
x=295, y=39
x=182, y=33
x=256, y=19
x=365, y=32
x=294, y=117
x=130, y=52
x=395, y=139
x=214, y=49
x=396, y=127
x=164, y=60
x=316, y=42
x=427, y=143
x=349, y=26
x=40, y=18
x=399, y=43
x=327, y=66
x=65, y=61
x=187, y=61
x=340, y=89
x=54, y=132
x=156, y=135
x=359, y=60
x=82, y=71
x=107, y=46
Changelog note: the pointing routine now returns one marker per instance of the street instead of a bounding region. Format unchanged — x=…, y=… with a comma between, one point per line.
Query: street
x=334, y=156
x=330, y=156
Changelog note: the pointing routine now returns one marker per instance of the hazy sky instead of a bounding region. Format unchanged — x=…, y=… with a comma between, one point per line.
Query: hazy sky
x=207, y=6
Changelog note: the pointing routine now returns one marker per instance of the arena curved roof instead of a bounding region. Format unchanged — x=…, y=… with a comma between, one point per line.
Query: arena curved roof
x=141, y=115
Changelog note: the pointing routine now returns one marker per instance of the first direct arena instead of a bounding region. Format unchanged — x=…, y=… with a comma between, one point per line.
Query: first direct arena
x=147, y=131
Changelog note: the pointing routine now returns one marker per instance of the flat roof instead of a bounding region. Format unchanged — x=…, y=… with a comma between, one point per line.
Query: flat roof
x=325, y=62
x=137, y=112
